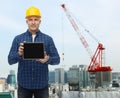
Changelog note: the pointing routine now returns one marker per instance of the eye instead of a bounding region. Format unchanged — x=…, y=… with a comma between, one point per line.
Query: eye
x=36, y=19
x=30, y=19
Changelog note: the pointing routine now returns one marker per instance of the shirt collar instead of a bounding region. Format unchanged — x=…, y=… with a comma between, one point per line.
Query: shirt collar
x=37, y=33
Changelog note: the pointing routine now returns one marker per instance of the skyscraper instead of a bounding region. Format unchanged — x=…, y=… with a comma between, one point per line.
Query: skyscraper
x=78, y=77
x=11, y=79
x=59, y=75
x=52, y=77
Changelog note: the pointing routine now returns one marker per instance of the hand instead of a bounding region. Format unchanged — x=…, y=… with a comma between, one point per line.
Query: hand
x=45, y=59
x=20, y=49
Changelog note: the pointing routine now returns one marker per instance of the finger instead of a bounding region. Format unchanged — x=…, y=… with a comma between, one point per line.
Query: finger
x=40, y=60
x=20, y=50
x=37, y=59
x=21, y=44
x=45, y=53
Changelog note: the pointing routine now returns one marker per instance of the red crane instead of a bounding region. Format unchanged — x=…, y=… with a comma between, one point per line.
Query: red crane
x=96, y=59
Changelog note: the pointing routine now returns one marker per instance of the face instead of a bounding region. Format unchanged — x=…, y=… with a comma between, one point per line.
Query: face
x=33, y=23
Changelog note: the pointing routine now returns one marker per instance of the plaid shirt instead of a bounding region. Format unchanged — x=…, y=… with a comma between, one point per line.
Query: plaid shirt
x=31, y=73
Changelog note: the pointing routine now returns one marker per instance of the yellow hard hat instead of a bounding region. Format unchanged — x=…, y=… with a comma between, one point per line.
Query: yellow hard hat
x=33, y=11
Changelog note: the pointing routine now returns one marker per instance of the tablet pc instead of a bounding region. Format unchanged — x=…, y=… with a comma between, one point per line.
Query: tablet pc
x=33, y=50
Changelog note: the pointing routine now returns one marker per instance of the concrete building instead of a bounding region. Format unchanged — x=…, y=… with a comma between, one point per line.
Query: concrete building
x=84, y=76
x=73, y=78
x=59, y=75
x=103, y=79
x=78, y=77
x=116, y=76
x=2, y=84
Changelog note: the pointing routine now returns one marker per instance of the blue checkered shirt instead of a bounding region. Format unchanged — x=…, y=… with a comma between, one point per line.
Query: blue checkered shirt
x=31, y=73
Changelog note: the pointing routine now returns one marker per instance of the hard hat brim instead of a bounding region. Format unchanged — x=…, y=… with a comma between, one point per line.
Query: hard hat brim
x=33, y=16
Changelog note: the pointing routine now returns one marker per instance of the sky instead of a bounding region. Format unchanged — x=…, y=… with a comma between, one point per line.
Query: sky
x=100, y=17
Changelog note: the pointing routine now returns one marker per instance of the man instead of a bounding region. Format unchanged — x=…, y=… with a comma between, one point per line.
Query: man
x=33, y=74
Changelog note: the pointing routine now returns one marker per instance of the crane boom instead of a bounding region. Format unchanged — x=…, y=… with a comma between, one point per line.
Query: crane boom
x=96, y=59
x=76, y=28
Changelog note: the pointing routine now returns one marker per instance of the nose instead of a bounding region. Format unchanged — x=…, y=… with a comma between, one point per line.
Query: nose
x=33, y=21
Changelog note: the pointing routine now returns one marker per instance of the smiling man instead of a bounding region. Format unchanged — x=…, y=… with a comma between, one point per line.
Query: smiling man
x=33, y=74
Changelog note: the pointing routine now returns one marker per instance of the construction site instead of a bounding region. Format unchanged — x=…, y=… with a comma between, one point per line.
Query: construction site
x=94, y=80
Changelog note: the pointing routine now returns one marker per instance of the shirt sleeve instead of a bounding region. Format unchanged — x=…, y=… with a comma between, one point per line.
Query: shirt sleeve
x=53, y=54
x=13, y=56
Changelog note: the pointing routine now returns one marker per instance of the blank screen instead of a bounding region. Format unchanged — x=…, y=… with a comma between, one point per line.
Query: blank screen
x=33, y=50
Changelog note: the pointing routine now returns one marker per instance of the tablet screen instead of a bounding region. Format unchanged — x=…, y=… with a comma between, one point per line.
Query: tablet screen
x=33, y=50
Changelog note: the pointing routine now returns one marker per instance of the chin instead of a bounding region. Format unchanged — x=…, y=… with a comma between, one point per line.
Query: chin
x=34, y=29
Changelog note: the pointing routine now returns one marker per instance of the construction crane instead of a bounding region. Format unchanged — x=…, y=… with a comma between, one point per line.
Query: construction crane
x=96, y=59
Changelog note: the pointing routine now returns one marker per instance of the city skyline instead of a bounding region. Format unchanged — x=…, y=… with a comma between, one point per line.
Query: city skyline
x=102, y=19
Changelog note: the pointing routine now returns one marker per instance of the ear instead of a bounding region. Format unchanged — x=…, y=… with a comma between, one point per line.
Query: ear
x=40, y=20
x=26, y=21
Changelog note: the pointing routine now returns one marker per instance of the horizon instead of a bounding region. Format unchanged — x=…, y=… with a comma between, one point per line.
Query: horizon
x=100, y=17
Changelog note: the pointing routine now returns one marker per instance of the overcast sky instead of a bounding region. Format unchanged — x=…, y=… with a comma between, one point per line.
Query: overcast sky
x=100, y=17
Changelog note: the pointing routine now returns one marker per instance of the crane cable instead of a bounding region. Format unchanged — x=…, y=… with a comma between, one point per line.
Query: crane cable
x=62, y=29
x=85, y=29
